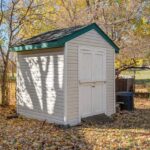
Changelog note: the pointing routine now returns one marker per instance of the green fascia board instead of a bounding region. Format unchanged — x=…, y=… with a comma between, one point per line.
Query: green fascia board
x=106, y=37
x=37, y=46
x=60, y=42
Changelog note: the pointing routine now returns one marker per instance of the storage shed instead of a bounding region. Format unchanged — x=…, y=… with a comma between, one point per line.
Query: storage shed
x=65, y=75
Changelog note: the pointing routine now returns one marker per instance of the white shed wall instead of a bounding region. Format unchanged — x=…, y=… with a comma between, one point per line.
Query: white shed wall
x=93, y=39
x=40, y=85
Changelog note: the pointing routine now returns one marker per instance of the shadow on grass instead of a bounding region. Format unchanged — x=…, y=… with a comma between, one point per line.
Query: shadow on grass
x=46, y=135
x=27, y=133
x=142, y=81
x=137, y=119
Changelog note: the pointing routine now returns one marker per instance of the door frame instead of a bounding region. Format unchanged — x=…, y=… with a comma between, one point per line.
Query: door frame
x=89, y=48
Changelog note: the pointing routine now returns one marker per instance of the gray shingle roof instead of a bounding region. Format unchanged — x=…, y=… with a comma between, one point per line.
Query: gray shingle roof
x=58, y=38
x=53, y=35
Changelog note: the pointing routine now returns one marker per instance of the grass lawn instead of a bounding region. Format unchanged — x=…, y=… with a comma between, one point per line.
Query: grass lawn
x=141, y=77
x=128, y=130
x=142, y=80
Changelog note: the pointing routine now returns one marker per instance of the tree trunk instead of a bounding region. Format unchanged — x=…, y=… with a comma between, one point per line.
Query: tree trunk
x=4, y=86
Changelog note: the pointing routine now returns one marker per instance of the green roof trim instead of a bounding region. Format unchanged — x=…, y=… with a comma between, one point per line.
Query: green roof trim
x=61, y=41
x=37, y=46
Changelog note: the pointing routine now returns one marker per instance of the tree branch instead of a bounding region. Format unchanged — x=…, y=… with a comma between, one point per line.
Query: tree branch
x=20, y=21
x=2, y=13
x=2, y=53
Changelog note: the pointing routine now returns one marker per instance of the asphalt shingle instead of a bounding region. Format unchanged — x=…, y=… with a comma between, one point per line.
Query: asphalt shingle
x=53, y=35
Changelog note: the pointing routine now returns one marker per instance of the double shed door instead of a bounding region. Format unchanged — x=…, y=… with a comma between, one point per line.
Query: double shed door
x=92, y=81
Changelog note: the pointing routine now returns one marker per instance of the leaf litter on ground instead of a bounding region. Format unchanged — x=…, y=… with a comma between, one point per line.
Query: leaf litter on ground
x=128, y=130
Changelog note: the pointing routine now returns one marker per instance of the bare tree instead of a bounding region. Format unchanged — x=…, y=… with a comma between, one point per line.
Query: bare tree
x=14, y=21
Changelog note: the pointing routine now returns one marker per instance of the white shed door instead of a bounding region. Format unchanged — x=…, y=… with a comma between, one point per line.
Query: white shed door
x=91, y=82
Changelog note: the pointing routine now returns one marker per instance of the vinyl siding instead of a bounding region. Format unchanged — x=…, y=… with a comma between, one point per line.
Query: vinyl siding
x=40, y=84
x=93, y=39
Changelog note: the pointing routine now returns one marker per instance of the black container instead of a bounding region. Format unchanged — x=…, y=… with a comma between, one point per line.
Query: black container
x=126, y=100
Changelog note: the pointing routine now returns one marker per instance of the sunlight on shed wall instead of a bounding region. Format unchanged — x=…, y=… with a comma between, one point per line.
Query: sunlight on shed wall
x=40, y=82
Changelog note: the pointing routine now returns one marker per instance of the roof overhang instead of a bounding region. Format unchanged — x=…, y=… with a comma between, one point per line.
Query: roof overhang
x=60, y=42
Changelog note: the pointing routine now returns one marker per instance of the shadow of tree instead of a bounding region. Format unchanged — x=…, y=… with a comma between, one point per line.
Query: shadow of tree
x=142, y=81
x=25, y=78
x=44, y=93
x=40, y=77
x=137, y=119
x=127, y=130
x=42, y=81
x=44, y=72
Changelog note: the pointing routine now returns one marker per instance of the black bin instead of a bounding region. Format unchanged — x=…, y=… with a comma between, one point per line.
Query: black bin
x=126, y=100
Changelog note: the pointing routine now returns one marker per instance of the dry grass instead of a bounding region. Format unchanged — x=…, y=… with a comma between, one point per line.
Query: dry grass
x=129, y=130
